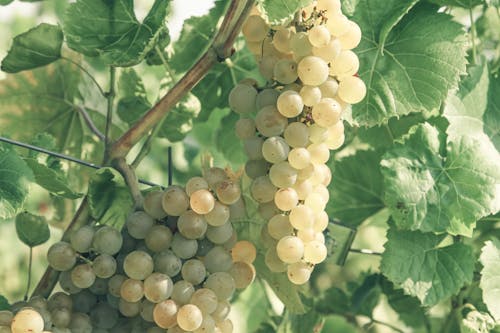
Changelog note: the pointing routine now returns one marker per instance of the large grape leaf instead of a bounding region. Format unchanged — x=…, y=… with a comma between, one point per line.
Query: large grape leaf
x=356, y=189
x=432, y=189
x=31, y=229
x=36, y=47
x=490, y=276
x=421, y=59
x=458, y=3
x=492, y=115
x=110, y=29
x=15, y=176
x=281, y=11
x=414, y=261
x=297, y=323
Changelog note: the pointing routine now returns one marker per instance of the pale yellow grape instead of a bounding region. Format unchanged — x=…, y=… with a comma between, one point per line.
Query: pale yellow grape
x=193, y=271
x=267, y=97
x=320, y=174
x=262, y=189
x=222, y=310
x=335, y=136
x=225, y=326
x=310, y=95
x=104, y=266
x=329, y=51
x=132, y=290
x=222, y=284
x=242, y=98
x=345, y=65
x=281, y=40
x=299, y=272
x=219, y=215
x=315, y=252
x=138, y=224
x=316, y=202
x=303, y=188
x=267, y=49
x=306, y=235
x=138, y=265
x=255, y=48
x=305, y=173
x=286, y=198
x=128, y=309
x=243, y=274
x=270, y=122
x=202, y=201
x=317, y=134
x=290, y=104
x=273, y=262
x=182, y=292
x=329, y=88
x=254, y=29
x=300, y=44
x=301, y=217
x=327, y=112
x=279, y=226
x=323, y=191
x=296, y=135
x=294, y=86
x=244, y=129
x=244, y=251
x=290, y=249
x=312, y=70
x=205, y=299
x=319, y=36
x=158, y=287
x=335, y=143
x=159, y=238
x=266, y=66
x=275, y=149
x=115, y=283
x=83, y=276
x=331, y=6
x=61, y=256
x=337, y=24
x=27, y=321
x=285, y=71
x=352, y=37
x=175, y=201
x=253, y=148
x=352, y=90
x=282, y=175
x=192, y=225
x=299, y=158
x=199, y=183
x=152, y=205
x=207, y=325
x=319, y=153
x=165, y=314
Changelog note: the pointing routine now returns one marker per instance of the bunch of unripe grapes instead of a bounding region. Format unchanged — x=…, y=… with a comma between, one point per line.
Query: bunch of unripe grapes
x=289, y=127
x=173, y=268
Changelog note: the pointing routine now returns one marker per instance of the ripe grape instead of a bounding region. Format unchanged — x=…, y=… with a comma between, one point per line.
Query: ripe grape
x=189, y=317
x=165, y=314
x=290, y=104
x=158, y=287
x=191, y=224
x=81, y=239
x=107, y=240
x=138, y=224
x=138, y=265
x=319, y=36
x=244, y=251
x=254, y=29
x=312, y=70
x=352, y=90
x=290, y=249
x=175, y=201
x=61, y=256
x=27, y=320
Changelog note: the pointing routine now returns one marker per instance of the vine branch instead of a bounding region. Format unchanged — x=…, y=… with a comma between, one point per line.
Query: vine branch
x=130, y=179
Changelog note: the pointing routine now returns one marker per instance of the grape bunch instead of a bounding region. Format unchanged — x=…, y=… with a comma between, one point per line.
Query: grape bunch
x=289, y=127
x=173, y=268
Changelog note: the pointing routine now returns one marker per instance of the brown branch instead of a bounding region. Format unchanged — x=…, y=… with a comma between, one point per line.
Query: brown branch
x=131, y=180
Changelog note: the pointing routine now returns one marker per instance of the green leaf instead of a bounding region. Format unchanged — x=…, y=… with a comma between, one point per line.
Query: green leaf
x=400, y=9
x=37, y=47
x=179, y=121
x=477, y=322
x=14, y=178
x=31, y=229
x=333, y=301
x=52, y=181
x=349, y=6
x=414, y=261
x=490, y=276
x=492, y=115
x=281, y=11
x=133, y=102
x=423, y=57
x=5, y=2
x=366, y=297
x=227, y=142
x=110, y=29
x=356, y=189
x=4, y=303
x=338, y=324
x=339, y=239
x=458, y=3
x=300, y=323
x=253, y=306
x=430, y=190
x=109, y=198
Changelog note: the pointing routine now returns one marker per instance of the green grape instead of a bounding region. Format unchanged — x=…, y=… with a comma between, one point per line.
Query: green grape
x=352, y=37
x=345, y=64
x=175, y=201
x=228, y=192
x=189, y=317
x=243, y=274
x=219, y=215
x=242, y=99
x=282, y=175
x=315, y=252
x=220, y=234
x=165, y=314
x=270, y=122
x=192, y=225
x=300, y=44
x=244, y=251
x=286, y=198
x=27, y=320
x=266, y=97
x=285, y=71
x=296, y=135
x=275, y=149
x=138, y=265
x=129, y=309
x=245, y=128
x=83, y=301
x=80, y=323
x=103, y=316
x=99, y=287
x=205, y=299
x=207, y=325
x=132, y=290
x=115, y=284
x=225, y=326
x=182, y=292
x=152, y=205
x=158, y=238
x=262, y=189
x=104, y=266
x=279, y=226
x=222, y=310
x=6, y=317
x=107, y=240
x=147, y=309
x=158, y=287
x=83, y=276
x=328, y=52
x=218, y=259
x=253, y=148
x=59, y=300
x=61, y=317
x=222, y=284
x=255, y=30
x=330, y=88
x=281, y=39
x=299, y=158
x=184, y=248
x=168, y=263
x=138, y=224
x=61, y=256
x=193, y=271
x=81, y=239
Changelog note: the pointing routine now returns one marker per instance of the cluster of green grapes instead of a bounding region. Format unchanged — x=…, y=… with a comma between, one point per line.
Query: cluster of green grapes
x=173, y=268
x=289, y=127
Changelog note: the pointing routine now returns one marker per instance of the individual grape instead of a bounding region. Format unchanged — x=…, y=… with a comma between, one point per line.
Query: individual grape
x=285, y=71
x=312, y=71
x=214, y=176
x=305, y=173
x=61, y=256
x=152, y=205
x=303, y=188
x=99, y=287
x=129, y=309
x=115, y=284
x=286, y=198
x=182, y=292
x=83, y=301
x=207, y=325
x=306, y=235
x=253, y=148
x=184, y=248
x=242, y=98
x=296, y=135
x=218, y=259
x=299, y=272
x=317, y=134
x=6, y=317
x=132, y=290
x=254, y=29
x=61, y=317
x=330, y=88
x=301, y=217
x=262, y=189
x=345, y=64
x=222, y=310
x=290, y=249
x=266, y=97
x=129, y=243
x=147, y=309
x=279, y=226
x=218, y=216
x=335, y=142
x=194, y=184
x=268, y=210
x=282, y=175
x=245, y=128
x=81, y=239
x=222, y=284
x=138, y=265
x=158, y=238
x=165, y=314
x=228, y=245
x=319, y=36
x=83, y=276
x=158, y=287
x=321, y=175
x=327, y=112
x=244, y=251
x=228, y=192
x=266, y=66
x=337, y=24
x=189, y=317
x=175, y=201
x=299, y=158
x=193, y=271
x=316, y=202
x=202, y=201
x=205, y=299
x=270, y=122
x=352, y=37
x=319, y=153
x=243, y=274
x=104, y=266
x=225, y=326
x=310, y=95
x=80, y=323
x=138, y=224
x=107, y=240
x=59, y=300
x=168, y=263
x=315, y=252
x=290, y=104
x=331, y=6
x=352, y=90
x=103, y=316
x=320, y=221
x=192, y=225
x=281, y=39
x=220, y=234
x=300, y=44
x=328, y=52
x=275, y=149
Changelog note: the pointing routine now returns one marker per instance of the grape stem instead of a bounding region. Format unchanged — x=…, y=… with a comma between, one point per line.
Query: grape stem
x=130, y=177
x=30, y=261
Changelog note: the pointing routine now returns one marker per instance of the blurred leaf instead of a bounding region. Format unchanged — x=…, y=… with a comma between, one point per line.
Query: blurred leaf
x=14, y=180
x=281, y=11
x=110, y=29
x=179, y=121
x=227, y=142
x=477, y=322
x=253, y=306
x=338, y=240
x=458, y=3
x=31, y=229
x=300, y=323
x=4, y=303
x=5, y=2
x=42, y=140
x=490, y=276
x=333, y=301
x=492, y=115
x=349, y=6
x=109, y=198
x=37, y=47
x=366, y=297
x=338, y=324
x=414, y=261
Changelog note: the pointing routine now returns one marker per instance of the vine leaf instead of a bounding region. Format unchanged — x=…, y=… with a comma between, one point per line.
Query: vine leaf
x=430, y=188
x=110, y=29
x=281, y=11
x=414, y=261
x=422, y=58
x=400, y=9
x=294, y=323
x=15, y=176
x=37, y=47
x=490, y=276
x=458, y=3
x=492, y=115
x=253, y=305
x=4, y=303
x=31, y=229
x=110, y=200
